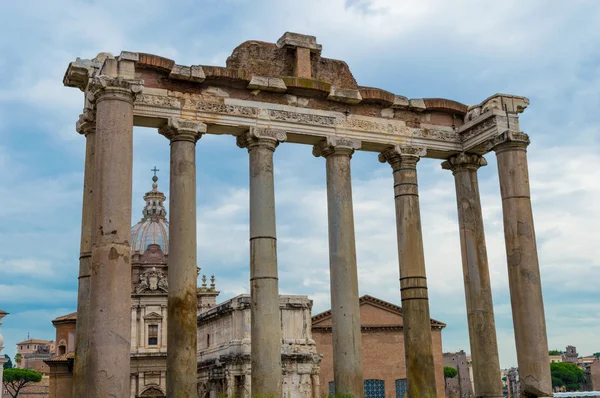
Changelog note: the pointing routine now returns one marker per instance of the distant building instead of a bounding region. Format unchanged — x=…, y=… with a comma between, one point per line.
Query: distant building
x=556, y=358
x=33, y=353
x=592, y=376
x=384, y=362
x=570, y=355
x=459, y=386
x=224, y=339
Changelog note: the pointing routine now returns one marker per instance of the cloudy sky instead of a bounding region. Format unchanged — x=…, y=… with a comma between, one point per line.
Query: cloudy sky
x=463, y=50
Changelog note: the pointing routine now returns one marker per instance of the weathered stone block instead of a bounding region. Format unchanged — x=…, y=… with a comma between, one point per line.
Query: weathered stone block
x=290, y=39
x=344, y=95
x=197, y=74
x=128, y=56
x=417, y=105
x=180, y=72
x=400, y=102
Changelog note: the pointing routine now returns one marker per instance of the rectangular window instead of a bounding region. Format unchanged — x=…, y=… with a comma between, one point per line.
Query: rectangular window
x=208, y=340
x=152, y=334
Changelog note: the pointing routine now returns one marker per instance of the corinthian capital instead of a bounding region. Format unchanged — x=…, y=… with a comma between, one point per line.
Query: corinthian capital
x=399, y=154
x=508, y=139
x=464, y=161
x=115, y=88
x=87, y=122
x=261, y=137
x=335, y=146
x=178, y=129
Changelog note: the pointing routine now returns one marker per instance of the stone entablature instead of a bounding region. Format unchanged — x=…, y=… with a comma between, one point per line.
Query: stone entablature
x=301, y=93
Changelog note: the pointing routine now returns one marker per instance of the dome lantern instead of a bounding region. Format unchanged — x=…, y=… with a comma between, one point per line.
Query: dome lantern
x=153, y=227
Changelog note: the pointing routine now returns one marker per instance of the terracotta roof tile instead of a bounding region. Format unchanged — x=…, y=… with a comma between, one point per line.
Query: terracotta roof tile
x=61, y=358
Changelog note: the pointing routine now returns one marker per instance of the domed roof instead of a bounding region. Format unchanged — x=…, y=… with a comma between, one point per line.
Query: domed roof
x=153, y=227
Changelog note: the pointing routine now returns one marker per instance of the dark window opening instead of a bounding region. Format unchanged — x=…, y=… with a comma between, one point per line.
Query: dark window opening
x=153, y=335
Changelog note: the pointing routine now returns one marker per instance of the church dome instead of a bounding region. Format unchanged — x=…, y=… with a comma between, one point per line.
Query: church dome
x=153, y=227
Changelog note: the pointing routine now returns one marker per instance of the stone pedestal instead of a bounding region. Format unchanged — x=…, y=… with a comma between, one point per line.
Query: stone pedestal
x=110, y=289
x=86, y=126
x=345, y=313
x=420, y=372
x=478, y=291
x=264, y=284
x=182, y=297
x=523, y=267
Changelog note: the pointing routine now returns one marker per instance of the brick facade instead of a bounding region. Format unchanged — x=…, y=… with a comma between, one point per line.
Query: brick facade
x=382, y=345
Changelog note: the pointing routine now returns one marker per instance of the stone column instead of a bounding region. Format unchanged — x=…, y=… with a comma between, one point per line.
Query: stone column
x=420, y=371
x=182, y=338
x=478, y=291
x=110, y=288
x=86, y=125
x=345, y=312
x=265, y=326
x=523, y=268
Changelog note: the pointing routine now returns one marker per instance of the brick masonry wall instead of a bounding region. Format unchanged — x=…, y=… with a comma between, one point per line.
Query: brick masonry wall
x=382, y=348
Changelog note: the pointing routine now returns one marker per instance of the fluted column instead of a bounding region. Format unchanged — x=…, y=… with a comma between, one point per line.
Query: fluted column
x=182, y=295
x=345, y=312
x=86, y=125
x=420, y=371
x=478, y=291
x=266, y=331
x=110, y=288
x=523, y=267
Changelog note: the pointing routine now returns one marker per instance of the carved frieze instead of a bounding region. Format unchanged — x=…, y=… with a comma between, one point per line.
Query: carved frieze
x=305, y=118
x=159, y=101
x=436, y=134
x=373, y=126
x=218, y=107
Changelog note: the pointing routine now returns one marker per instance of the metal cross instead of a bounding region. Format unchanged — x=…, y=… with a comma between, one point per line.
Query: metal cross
x=154, y=170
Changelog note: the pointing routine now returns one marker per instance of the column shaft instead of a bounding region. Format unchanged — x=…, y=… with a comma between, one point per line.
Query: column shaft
x=478, y=291
x=420, y=371
x=266, y=333
x=182, y=303
x=345, y=311
x=523, y=267
x=109, y=347
x=87, y=126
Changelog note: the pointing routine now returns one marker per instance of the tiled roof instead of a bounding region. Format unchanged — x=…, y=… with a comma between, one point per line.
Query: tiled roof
x=35, y=341
x=69, y=317
x=61, y=358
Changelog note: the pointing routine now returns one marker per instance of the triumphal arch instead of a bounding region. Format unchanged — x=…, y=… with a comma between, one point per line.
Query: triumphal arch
x=270, y=94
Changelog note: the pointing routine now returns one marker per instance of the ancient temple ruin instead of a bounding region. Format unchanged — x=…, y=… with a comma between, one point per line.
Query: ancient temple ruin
x=268, y=94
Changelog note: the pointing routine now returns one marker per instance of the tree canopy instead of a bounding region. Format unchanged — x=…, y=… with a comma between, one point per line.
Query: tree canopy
x=596, y=355
x=554, y=352
x=449, y=372
x=15, y=379
x=8, y=364
x=568, y=375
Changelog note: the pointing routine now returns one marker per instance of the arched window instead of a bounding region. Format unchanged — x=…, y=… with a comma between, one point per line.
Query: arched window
x=374, y=388
x=401, y=389
x=62, y=349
